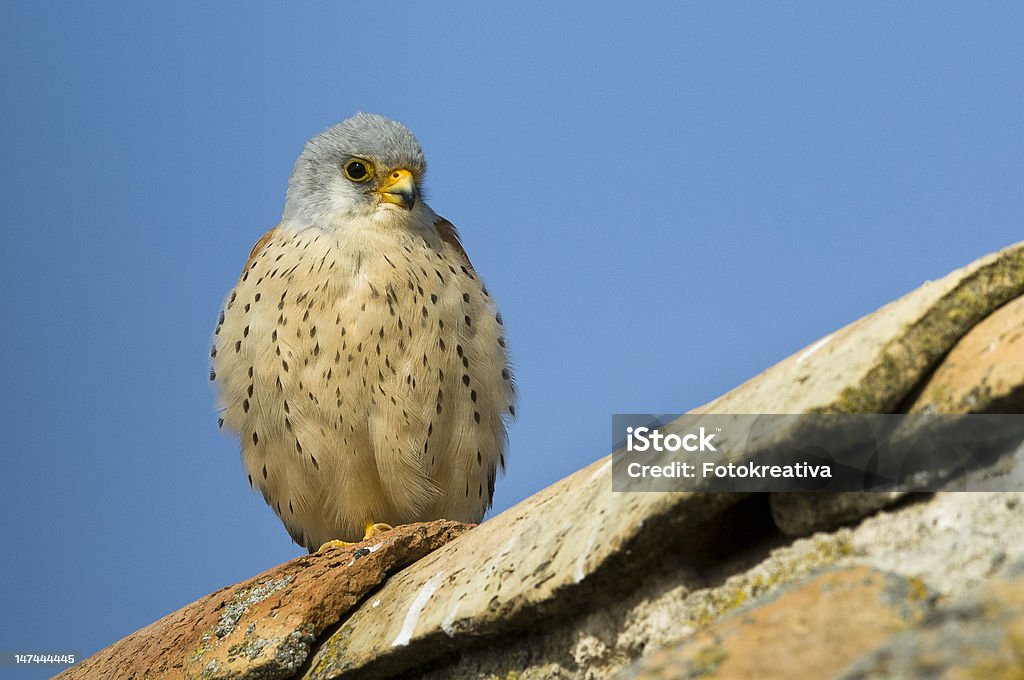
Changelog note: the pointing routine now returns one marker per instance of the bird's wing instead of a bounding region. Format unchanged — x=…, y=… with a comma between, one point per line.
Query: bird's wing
x=264, y=240
x=450, y=235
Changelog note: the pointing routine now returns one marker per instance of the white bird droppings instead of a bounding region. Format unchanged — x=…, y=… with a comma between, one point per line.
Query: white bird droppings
x=581, y=561
x=600, y=471
x=448, y=625
x=812, y=349
x=371, y=549
x=418, y=604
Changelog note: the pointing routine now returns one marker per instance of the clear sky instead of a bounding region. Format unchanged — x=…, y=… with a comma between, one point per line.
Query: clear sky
x=665, y=200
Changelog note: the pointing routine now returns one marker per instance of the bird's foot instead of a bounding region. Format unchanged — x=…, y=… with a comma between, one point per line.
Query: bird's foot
x=371, y=530
x=374, y=528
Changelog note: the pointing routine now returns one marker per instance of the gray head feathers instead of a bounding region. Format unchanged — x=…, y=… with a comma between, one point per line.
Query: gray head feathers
x=318, y=189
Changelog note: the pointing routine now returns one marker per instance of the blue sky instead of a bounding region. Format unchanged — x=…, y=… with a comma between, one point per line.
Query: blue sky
x=665, y=200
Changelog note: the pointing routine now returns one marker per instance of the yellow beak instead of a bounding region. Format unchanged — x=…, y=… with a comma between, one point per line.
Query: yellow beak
x=399, y=188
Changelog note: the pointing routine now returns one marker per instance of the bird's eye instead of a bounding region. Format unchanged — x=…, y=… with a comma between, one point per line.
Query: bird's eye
x=358, y=170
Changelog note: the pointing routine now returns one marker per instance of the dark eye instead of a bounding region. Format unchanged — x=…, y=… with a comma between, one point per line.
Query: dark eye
x=358, y=170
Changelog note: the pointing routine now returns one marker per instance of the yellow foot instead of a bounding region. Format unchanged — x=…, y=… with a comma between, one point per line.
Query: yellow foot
x=374, y=528
x=371, y=530
x=333, y=544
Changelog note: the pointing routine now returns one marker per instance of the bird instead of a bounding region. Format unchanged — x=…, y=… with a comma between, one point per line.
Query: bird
x=359, y=358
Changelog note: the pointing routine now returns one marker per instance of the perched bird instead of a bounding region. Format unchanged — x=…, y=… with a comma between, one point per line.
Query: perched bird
x=359, y=357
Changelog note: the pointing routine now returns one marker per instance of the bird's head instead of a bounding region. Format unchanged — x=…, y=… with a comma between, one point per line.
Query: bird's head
x=365, y=166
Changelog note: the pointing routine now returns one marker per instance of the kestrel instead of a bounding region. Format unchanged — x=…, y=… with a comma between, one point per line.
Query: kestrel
x=359, y=357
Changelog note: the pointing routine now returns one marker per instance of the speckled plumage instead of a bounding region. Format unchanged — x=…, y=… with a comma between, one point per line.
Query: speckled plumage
x=359, y=357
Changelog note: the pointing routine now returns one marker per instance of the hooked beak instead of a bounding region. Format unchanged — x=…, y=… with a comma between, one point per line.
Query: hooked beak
x=399, y=188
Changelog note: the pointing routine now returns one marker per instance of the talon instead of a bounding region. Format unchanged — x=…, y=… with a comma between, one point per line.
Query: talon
x=374, y=528
x=334, y=544
x=371, y=530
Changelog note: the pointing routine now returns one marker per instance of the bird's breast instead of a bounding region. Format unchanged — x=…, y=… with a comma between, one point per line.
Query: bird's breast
x=373, y=359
